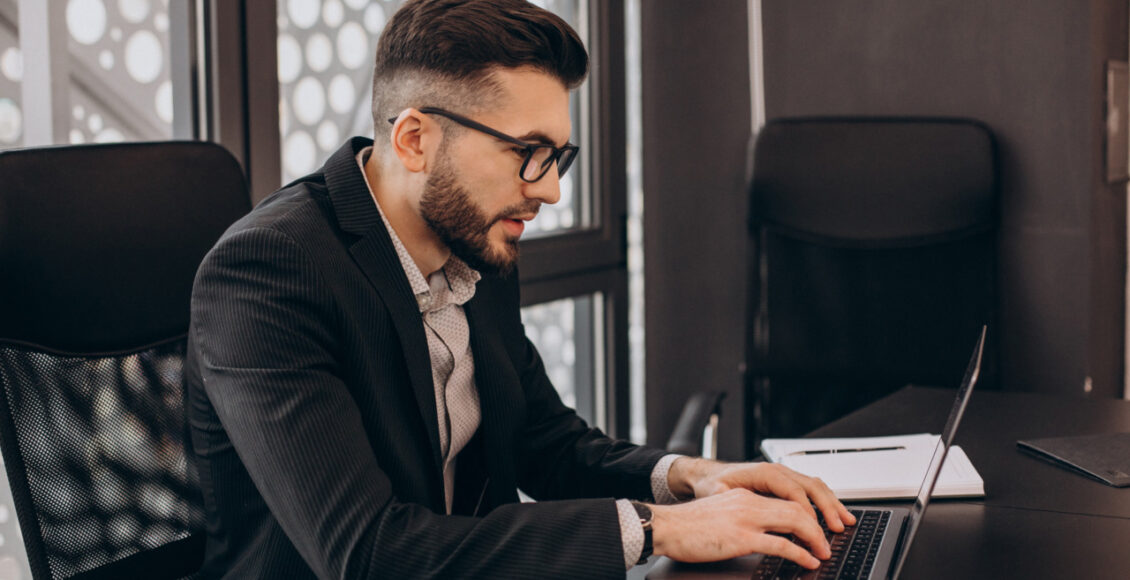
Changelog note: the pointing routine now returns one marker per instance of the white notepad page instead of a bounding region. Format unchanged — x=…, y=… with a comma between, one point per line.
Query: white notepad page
x=895, y=474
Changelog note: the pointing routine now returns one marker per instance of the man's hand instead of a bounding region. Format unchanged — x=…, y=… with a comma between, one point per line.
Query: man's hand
x=698, y=478
x=736, y=523
x=737, y=503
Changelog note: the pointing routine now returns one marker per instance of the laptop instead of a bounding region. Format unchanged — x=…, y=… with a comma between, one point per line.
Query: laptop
x=875, y=548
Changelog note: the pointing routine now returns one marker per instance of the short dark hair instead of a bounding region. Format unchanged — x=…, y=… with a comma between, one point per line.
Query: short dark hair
x=445, y=50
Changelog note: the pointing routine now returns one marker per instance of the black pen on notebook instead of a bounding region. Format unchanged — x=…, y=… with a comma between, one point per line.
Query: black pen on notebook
x=853, y=450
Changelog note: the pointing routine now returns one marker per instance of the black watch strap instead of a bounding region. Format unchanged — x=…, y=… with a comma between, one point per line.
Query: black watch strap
x=645, y=520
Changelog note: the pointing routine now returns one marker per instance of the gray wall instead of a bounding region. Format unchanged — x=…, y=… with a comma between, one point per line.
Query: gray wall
x=1033, y=70
x=696, y=124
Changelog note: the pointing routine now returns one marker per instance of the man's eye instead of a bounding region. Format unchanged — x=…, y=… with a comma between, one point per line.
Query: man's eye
x=519, y=151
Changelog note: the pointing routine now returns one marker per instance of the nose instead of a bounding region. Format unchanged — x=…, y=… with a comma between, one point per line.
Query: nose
x=547, y=189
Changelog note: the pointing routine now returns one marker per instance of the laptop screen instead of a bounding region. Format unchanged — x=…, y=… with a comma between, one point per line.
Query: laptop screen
x=972, y=371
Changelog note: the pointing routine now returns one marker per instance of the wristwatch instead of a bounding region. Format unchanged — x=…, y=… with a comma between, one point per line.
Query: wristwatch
x=645, y=520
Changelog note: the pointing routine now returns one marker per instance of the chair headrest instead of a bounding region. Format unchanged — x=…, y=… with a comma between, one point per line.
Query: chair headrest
x=99, y=244
x=875, y=179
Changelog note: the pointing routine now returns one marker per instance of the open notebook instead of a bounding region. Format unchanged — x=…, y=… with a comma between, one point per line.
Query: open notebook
x=863, y=468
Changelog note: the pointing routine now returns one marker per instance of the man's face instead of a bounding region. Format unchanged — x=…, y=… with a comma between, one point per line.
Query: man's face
x=474, y=200
x=465, y=227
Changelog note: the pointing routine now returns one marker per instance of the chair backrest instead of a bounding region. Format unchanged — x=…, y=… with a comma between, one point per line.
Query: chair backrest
x=873, y=263
x=99, y=245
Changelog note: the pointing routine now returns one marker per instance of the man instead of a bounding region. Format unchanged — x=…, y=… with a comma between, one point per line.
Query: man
x=362, y=399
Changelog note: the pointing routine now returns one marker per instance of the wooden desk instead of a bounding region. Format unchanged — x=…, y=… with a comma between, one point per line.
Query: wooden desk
x=1036, y=520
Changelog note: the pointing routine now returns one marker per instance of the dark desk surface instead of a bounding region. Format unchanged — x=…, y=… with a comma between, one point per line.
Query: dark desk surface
x=993, y=422
x=1036, y=520
x=972, y=541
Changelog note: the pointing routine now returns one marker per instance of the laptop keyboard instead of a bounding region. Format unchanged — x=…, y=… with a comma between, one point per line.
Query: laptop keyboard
x=853, y=552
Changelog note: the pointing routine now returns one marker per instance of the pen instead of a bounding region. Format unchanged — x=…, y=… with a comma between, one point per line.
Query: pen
x=856, y=450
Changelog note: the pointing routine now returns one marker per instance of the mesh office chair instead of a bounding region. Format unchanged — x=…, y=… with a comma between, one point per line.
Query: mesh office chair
x=99, y=245
x=873, y=245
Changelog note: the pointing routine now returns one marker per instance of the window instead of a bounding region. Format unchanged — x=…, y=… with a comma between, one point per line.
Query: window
x=325, y=61
x=11, y=75
x=116, y=71
x=634, y=147
x=567, y=334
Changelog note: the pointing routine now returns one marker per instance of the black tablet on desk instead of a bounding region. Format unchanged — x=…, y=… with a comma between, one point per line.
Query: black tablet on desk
x=1103, y=457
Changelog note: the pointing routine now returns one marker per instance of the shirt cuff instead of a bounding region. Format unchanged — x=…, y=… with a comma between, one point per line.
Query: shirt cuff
x=660, y=491
x=631, y=532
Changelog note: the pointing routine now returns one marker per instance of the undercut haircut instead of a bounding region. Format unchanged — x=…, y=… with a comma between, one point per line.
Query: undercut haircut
x=441, y=53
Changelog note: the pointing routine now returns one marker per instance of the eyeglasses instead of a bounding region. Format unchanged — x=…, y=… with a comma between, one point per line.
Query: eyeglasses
x=537, y=157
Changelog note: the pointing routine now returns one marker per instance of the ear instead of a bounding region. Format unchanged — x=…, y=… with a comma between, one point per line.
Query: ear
x=415, y=138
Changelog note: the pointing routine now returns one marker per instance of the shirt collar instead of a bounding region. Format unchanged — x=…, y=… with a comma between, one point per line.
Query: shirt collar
x=454, y=283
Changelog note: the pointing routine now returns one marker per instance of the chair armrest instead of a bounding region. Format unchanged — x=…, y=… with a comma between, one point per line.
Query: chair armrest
x=700, y=415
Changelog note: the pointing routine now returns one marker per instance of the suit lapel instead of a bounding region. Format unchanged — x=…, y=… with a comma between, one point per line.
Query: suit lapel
x=500, y=396
x=376, y=257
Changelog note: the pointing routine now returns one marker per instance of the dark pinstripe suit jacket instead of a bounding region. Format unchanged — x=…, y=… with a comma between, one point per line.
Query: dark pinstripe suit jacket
x=313, y=422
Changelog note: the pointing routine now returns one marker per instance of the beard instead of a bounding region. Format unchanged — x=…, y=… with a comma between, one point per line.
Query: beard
x=464, y=228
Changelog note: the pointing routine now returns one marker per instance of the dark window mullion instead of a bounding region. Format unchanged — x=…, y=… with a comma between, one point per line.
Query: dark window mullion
x=243, y=89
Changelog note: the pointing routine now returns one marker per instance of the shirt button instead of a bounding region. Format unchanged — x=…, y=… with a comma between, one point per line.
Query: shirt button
x=423, y=300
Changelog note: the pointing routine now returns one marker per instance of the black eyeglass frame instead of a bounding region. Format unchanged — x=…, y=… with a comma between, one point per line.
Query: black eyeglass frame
x=564, y=155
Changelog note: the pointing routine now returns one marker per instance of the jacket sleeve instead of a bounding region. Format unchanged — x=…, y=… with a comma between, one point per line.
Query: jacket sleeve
x=265, y=321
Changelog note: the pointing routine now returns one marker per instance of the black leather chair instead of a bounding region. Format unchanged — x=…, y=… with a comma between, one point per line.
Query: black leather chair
x=873, y=264
x=99, y=245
